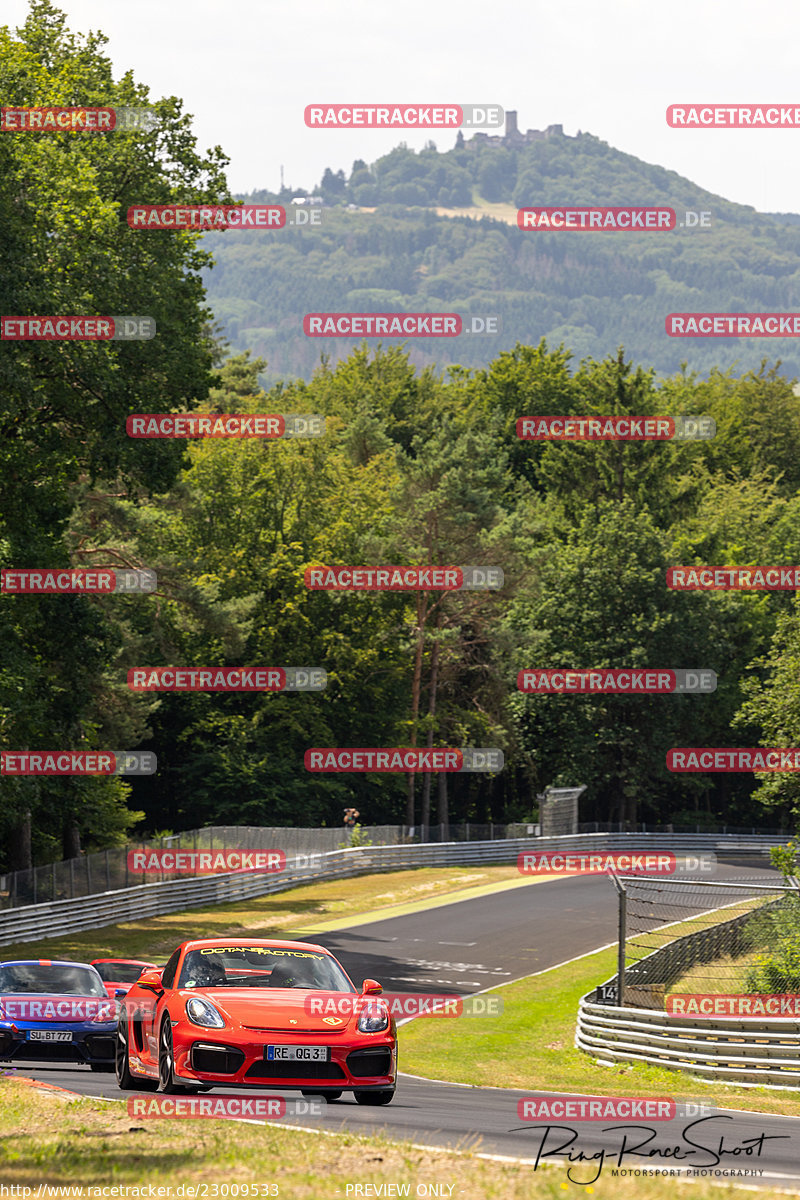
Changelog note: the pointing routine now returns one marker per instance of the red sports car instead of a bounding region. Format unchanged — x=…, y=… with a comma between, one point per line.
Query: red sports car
x=253, y=1013
x=118, y=974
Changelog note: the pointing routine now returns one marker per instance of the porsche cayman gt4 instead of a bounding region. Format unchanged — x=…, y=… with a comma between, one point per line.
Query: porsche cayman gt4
x=256, y=1013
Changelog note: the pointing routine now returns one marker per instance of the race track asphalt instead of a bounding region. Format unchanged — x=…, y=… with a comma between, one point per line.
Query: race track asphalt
x=477, y=944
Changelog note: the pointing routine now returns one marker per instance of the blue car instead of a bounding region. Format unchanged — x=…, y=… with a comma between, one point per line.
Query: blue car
x=56, y=1012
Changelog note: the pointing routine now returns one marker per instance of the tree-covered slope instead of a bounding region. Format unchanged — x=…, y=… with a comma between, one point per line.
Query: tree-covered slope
x=587, y=290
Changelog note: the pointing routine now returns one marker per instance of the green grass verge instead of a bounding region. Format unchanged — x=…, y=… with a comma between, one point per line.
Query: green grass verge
x=730, y=975
x=531, y=1045
x=46, y=1139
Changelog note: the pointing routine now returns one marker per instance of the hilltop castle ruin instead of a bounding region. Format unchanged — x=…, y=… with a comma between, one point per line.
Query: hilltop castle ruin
x=512, y=136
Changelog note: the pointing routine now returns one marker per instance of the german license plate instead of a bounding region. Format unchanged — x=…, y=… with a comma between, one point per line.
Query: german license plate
x=298, y=1053
x=49, y=1035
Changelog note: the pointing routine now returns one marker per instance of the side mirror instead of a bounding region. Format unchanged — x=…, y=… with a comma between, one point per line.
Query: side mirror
x=150, y=981
x=120, y=991
x=371, y=987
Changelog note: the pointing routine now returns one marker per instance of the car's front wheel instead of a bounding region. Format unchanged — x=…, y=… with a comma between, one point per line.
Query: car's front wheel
x=125, y=1080
x=166, y=1064
x=382, y=1097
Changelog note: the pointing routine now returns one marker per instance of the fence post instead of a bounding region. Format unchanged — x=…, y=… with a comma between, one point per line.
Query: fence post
x=621, y=934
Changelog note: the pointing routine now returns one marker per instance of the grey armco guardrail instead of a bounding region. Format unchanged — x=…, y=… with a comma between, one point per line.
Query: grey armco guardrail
x=754, y=1052
x=54, y=918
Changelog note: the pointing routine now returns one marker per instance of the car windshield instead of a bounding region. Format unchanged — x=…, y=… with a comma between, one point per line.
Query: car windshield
x=50, y=978
x=116, y=972
x=262, y=967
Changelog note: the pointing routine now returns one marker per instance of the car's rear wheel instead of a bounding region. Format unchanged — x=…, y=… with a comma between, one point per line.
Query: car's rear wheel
x=125, y=1080
x=325, y=1093
x=382, y=1097
x=166, y=1064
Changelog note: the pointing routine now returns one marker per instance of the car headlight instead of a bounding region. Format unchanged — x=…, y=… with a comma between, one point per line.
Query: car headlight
x=373, y=1019
x=202, y=1012
x=105, y=1013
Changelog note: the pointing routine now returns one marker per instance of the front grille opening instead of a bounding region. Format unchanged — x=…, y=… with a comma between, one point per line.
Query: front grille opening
x=99, y=1047
x=216, y=1060
x=295, y=1070
x=361, y=1063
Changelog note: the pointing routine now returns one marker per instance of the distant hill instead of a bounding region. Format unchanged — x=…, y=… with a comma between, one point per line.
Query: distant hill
x=442, y=237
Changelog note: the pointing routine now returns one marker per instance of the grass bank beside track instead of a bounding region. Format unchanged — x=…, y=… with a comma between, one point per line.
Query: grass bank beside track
x=531, y=1045
x=299, y=908
x=48, y=1139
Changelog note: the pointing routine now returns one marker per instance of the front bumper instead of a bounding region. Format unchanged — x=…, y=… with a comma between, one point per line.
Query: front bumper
x=353, y=1066
x=87, y=1046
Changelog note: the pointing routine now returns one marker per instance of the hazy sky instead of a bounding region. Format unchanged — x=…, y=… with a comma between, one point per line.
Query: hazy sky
x=245, y=70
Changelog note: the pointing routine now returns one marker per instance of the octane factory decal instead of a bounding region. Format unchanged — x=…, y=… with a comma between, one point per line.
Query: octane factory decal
x=260, y=950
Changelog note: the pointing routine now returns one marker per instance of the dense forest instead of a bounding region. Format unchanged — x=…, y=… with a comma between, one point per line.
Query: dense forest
x=420, y=463
x=589, y=291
